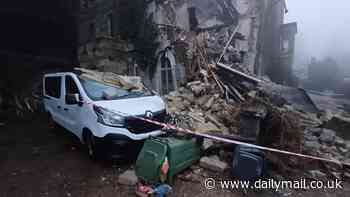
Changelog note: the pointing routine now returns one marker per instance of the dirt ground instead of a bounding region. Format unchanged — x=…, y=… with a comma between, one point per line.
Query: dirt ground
x=37, y=161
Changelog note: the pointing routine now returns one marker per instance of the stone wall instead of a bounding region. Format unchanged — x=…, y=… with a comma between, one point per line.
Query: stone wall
x=180, y=23
x=212, y=15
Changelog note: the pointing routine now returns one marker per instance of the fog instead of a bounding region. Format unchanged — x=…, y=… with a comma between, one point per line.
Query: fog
x=324, y=30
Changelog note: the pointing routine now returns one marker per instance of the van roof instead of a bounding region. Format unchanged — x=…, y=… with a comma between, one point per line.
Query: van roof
x=60, y=74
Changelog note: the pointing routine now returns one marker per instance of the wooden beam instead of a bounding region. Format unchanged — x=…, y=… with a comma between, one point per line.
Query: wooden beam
x=241, y=74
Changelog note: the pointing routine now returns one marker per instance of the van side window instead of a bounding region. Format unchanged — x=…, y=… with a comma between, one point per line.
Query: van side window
x=71, y=86
x=53, y=86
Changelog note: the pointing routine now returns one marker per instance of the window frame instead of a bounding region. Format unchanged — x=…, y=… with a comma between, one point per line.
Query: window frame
x=68, y=77
x=59, y=89
x=110, y=25
x=166, y=76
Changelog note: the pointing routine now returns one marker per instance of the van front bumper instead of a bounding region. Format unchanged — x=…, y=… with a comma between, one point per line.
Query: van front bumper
x=118, y=146
x=118, y=142
x=103, y=131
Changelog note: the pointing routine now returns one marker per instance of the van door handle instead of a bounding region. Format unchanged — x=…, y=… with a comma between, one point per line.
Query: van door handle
x=59, y=107
x=65, y=109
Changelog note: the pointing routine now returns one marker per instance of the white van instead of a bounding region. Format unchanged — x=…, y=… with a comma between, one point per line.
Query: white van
x=106, y=124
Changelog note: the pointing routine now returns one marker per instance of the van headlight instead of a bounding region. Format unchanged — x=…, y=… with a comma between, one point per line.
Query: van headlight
x=109, y=118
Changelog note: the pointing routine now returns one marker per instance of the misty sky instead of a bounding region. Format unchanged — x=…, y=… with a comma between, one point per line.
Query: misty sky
x=324, y=28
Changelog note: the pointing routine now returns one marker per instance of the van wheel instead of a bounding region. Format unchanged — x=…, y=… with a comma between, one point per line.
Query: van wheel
x=50, y=122
x=90, y=145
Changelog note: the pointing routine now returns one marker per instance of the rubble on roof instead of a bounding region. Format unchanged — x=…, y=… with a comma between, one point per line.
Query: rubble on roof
x=126, y=82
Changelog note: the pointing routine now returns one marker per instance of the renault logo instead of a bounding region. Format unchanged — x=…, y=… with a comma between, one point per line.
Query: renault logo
x=149, y=114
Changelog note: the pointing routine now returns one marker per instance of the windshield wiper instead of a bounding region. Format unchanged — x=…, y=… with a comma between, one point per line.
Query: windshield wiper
x=130, y=95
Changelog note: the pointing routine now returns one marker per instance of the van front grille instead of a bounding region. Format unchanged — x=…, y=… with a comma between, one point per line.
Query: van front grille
x=138, y=126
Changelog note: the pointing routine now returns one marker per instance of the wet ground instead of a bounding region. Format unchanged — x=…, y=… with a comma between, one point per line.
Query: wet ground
x=36, y=161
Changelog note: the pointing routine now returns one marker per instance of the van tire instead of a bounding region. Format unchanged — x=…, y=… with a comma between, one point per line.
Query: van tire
x=90, y=144
x=51, y=124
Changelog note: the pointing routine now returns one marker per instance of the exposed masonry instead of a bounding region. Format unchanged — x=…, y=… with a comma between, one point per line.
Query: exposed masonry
x=257, y=46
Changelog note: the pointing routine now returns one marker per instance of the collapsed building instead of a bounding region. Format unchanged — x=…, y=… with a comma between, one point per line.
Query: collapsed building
x=158, y=40
x=173, y=30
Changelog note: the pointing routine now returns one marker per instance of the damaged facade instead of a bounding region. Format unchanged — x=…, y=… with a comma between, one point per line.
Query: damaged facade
x=183, y=27
x=257, y=44
x=99, y=46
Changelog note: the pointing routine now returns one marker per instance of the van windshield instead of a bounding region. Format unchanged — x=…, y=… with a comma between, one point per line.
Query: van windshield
x=98, y=91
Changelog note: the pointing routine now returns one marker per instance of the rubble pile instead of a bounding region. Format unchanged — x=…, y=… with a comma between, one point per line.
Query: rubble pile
x=199, y=107
x=25, y=104
x=229, y=101
x=281, y=129
x=325, y=143
x=203, y=106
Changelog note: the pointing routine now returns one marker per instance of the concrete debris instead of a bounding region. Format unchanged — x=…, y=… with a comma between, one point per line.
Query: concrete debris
x=128, y=178
x=336, y=175
x=231, y=102
x=316, y=174
x=327, y=136
x=213, y=163
x=207, y=144
x=340, y=142
x=209, y=103
x=343, y=151
x=312, y=147
x=26, y=104
x=325, y=143
x=347, y=176
x=316, y=131
x=194, y=176
x=310, y=136
x=197, y=89
x=339, y=124
x=202, y=111
x=206, y=127
x=213, y=120
x=228, y=100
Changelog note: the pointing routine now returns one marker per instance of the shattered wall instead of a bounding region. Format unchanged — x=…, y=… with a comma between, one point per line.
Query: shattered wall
x=250, y=22
x=120, y=40
x=258, y=24
x=288, y=32
x=184, y=26
x=100, y=48
x=270, y=38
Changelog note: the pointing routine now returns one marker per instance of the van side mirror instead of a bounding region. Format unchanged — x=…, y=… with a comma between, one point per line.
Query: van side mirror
x=73, y=99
